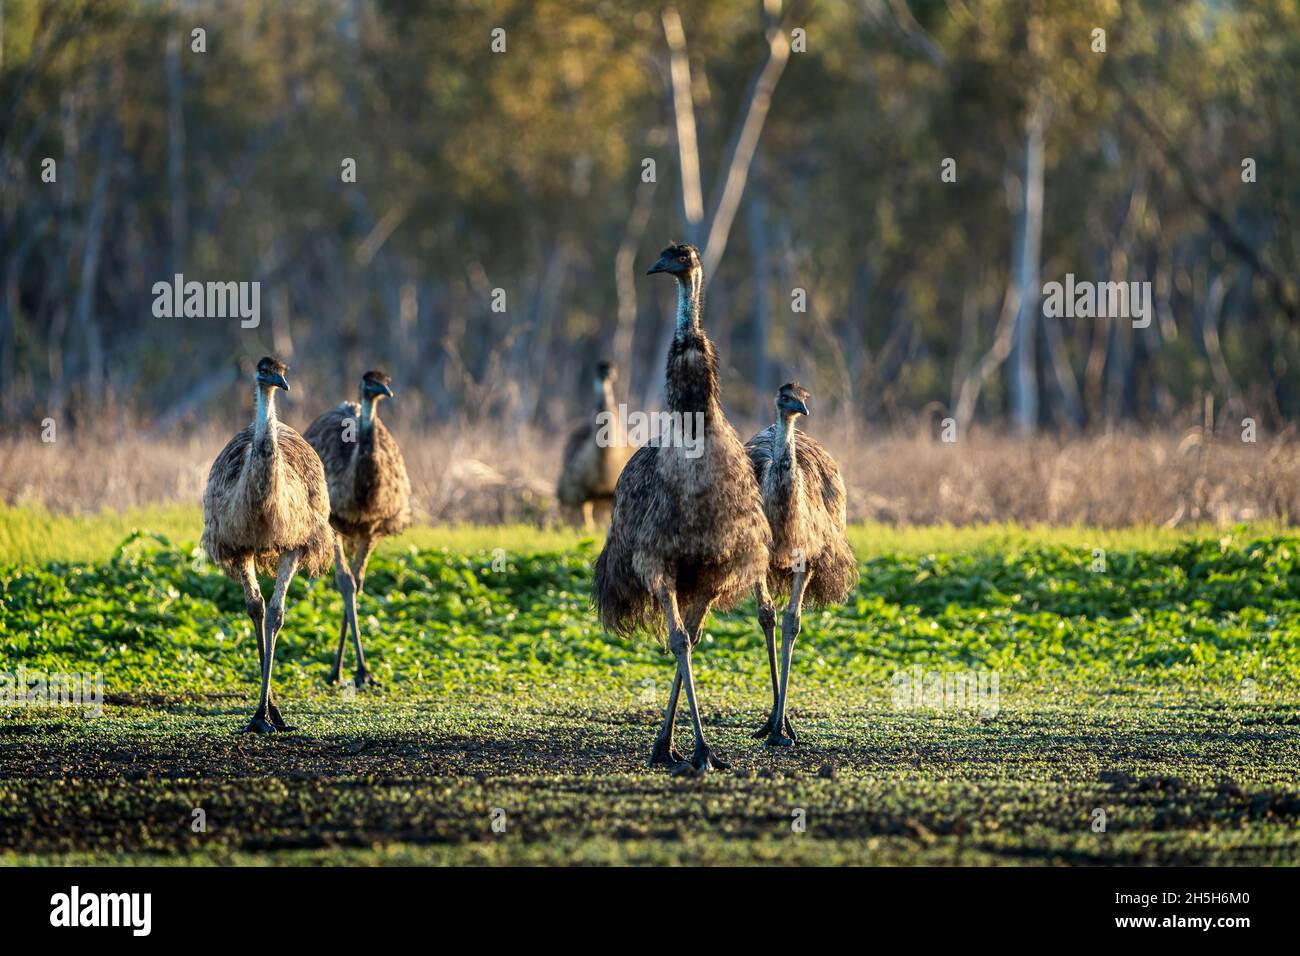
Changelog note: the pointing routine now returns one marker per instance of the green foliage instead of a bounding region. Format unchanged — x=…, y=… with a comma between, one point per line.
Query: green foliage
x=154, y=618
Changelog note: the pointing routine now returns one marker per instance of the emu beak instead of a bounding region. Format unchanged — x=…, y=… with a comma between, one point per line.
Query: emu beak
x=279, y=382
x=386, y=391
x=657, y=267
x=803, y=408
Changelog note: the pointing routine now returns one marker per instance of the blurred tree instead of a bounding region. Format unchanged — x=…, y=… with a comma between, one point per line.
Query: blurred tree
x=520, y=170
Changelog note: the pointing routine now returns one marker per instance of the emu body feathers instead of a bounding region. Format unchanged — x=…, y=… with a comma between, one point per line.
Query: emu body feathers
x=805, y=504
x=267, y=496
x=693, y=523
x=369, y=491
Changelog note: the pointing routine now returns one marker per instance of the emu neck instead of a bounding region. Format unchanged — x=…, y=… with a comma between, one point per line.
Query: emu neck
x=369, y=413
x=605, y=396
x=607, y=407
x=265, y=421
x=783, y=449
x=692, y=373
x=690, y=303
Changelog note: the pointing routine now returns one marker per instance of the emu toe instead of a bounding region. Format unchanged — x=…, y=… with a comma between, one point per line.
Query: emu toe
x=779, y=740
x=273, y=712
x=259, y=725
x=703, y=759
x=665, y=753
x=768, y=732
x=365, y=679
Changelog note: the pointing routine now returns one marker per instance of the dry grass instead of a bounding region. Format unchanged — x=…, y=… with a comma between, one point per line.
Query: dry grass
x=462, y=475
x=1108, y=481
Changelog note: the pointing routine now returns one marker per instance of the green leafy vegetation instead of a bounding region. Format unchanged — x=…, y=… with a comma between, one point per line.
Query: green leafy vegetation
x=1159, y=689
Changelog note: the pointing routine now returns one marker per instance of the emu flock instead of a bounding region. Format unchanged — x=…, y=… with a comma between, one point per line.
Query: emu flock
x=693, y=526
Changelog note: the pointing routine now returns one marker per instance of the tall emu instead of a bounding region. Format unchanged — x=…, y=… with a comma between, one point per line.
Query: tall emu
x=370, y=496
x=595, y=453
x=804, y=500
x=688, y=531
x=266, y=507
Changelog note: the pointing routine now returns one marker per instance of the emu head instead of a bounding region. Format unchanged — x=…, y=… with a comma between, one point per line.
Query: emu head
x=375, y=385
x=679, y=260
x=792, y=399
x=270, y=373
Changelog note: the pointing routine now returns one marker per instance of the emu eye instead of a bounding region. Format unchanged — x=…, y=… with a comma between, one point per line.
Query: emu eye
x=681, y=258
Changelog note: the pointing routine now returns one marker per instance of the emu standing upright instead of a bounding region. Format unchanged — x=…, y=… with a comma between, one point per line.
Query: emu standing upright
x=804, y=500
x=370, y=496
x=595, y=453
x=688, y=531
x=266, y=507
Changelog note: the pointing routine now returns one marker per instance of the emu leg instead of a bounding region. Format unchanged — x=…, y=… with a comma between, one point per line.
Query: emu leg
x=360, y=559
x=273, y=621
x=256, y=608
x=346, y=585
x=664, y=752
x=790, y=626
x=588, y=515
x=703, y=758
x=767, y=621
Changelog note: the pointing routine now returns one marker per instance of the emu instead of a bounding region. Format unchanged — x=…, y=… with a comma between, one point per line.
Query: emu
x=266, y=507
x=804, y=500
x=595, y=453
x=370, y=497
x=687, y=532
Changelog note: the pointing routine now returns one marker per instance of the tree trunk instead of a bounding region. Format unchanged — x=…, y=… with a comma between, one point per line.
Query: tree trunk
x=744, y=143
x=1024, y=365
x=625, y=279
x=758, y=252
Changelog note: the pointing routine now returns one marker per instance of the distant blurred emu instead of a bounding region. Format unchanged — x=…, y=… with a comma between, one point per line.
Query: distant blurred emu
x=267, y=507
x=596, y=452
x=804, y=500
x=370, y=496
x=688, y=531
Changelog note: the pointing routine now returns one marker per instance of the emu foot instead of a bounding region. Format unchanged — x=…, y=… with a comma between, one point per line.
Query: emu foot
x=665, y=753
x=334, y=676
x=259, y=725
x=273, y=712
x=365, y=679
x=703, y=759
x=769, y=731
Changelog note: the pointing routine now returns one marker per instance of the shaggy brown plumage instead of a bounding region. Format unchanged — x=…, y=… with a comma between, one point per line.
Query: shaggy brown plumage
x=688, y=531
x=806, y=507
x=266, y=497
x=266, y=506
x=595, y=453
x=369, y=493
x=811, y=560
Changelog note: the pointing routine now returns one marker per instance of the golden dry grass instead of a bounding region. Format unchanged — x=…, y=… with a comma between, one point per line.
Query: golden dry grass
x=491, y=476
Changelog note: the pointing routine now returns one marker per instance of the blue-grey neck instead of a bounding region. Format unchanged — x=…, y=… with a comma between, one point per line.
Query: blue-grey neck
x=784, y=444
x=690, y=302
x=265, y=420
x=604, y=395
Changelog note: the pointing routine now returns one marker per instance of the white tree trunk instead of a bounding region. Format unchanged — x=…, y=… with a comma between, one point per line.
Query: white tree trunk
x=1024, y=364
